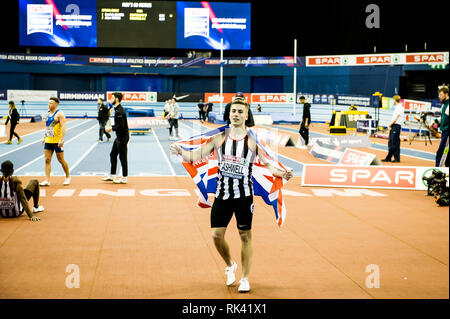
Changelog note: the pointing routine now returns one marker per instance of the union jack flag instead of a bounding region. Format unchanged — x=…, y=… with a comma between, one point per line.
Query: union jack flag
x=204, y=173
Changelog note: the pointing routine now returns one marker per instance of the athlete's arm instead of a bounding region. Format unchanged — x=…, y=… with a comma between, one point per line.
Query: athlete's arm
x=24, y=201
x=62, y=122
x=198, y=154
x=275, y=171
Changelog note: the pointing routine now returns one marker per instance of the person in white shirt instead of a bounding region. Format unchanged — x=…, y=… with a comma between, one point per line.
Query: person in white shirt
x=173, y=117
x=395, y=126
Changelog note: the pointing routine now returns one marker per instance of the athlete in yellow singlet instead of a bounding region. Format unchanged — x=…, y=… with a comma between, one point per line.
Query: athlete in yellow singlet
x=55, y=130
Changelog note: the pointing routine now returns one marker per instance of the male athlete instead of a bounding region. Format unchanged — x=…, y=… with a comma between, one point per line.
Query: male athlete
x=55, y=130
x=236, y=151
x=14, y=198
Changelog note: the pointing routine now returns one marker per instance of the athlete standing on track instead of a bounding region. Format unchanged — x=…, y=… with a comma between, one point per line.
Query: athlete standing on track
x=55, y=130
x=236, y=151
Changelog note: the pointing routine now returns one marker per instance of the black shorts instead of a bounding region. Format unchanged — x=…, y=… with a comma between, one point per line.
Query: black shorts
x=222, y=212
x=53, y=147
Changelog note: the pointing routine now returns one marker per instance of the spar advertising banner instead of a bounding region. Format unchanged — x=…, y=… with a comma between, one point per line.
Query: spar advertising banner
x=379, y=59
x=386, y=177
x=418, y=106
x=131, y=96
x=227, y=97
x=272, y=98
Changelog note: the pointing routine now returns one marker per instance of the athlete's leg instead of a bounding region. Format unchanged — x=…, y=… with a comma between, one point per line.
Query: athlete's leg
x=221, y=244
x=221, y=214
x=246, y=251
x=65, y=166
x=48, y=163
x=244, y=217
x=32, y=190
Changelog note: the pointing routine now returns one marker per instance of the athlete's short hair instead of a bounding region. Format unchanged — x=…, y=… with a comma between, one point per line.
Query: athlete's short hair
x=118, y=95
x=443, y=89
x=396, y=98
x=54, y=98
x=241, y=101
x=7, y=168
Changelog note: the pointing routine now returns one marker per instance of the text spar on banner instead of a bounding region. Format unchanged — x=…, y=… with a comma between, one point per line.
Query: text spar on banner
x=132, y=96
x=385, y=177
x=355, y=157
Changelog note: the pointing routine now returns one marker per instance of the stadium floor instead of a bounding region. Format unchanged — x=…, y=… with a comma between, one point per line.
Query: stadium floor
x=147, y=239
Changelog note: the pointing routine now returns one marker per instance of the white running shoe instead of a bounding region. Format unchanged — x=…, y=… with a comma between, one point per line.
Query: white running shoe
x=37, y=210
x=67, y=181
x=244, y=285
x=120, y=180
x=107, y=178
x=229, y=271
x=44, y=183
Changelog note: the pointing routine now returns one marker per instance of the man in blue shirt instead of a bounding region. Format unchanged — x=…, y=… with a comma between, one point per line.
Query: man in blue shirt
x=443, y=96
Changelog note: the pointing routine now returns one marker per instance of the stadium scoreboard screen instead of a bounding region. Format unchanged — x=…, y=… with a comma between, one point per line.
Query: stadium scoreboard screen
x=136, y=24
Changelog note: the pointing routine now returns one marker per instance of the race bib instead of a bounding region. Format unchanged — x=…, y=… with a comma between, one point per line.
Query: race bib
x=49, y=132
x=233, y=167
x=6, y=203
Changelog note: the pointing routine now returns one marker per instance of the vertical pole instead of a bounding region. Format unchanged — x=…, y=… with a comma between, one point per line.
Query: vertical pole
x=221, y=74
x=295, y=75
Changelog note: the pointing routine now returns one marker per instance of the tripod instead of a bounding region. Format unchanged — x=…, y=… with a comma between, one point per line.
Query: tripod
x=422, y=127
x=23, y=110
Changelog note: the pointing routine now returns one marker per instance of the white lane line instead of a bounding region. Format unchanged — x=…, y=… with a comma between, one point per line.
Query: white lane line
x=42, y=156
x=82, y=157
x=172, y=171
x=37, y=141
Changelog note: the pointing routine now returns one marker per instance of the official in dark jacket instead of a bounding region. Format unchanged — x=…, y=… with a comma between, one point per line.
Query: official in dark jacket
x=306, y=120
x=13, y=117
x=102, y=117
x=120, y=145
x=226, y=115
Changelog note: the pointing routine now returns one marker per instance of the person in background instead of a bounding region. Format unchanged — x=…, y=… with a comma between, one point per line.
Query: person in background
x=208, y=108
x=14, y=198
x=173, y=116
x=102, y=117
x=13, y=118
x=443, y=97
x=306, y=120
x=201, y=111
x=120, y=145
x=226, y=114
x=259, y=109
x=395, y=126
x=166, y=108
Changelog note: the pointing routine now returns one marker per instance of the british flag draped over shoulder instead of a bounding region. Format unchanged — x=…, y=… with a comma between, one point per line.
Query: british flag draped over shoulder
x=204, y=173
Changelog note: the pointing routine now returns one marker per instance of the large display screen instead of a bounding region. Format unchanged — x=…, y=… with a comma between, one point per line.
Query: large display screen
x=143, y=24
x=59, y=23
x=203, y=24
